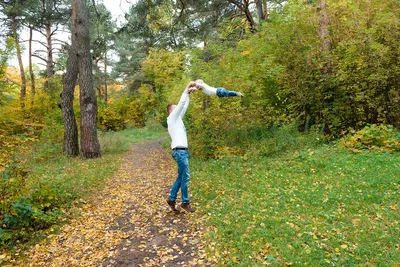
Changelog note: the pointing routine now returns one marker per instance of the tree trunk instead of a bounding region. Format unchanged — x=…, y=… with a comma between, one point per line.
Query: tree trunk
x=49, y=65
x=105, y=78
x=244, y=7
x=32, y=75
x=249, y=17
x=21, y=66
x=48, y=9
x=265, y=9
x=260, y=10
x=90, y=146
x=70, y=145
x=323, y=31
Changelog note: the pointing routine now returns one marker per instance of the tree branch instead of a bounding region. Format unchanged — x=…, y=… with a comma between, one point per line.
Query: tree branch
x=236, y=3
x=11, y=80
x=53, y=32
x=39, y=57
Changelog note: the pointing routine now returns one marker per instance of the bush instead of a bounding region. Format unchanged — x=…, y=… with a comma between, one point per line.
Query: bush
x=109, y=119
x=373, y=137
x=135, y=114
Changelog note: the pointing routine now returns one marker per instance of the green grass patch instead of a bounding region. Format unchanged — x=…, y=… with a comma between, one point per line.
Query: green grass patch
x=39, y=188
x=321, y=207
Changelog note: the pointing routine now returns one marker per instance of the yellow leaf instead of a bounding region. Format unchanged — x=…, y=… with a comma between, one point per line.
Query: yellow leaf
x=234, y=260
x=344, y=246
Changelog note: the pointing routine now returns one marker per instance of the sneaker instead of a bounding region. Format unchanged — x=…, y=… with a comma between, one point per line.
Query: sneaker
x=187, y=208
x=172, y=203
x=239, y=94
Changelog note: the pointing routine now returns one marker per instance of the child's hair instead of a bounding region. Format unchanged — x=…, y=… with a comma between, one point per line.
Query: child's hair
x=169, y=107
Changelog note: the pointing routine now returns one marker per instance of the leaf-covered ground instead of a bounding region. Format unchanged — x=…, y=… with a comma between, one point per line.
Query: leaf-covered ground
x=128, y=223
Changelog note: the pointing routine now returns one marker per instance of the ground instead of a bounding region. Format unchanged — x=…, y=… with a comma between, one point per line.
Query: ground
x=128, y=223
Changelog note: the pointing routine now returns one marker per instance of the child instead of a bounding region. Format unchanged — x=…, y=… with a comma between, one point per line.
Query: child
x=211, y=91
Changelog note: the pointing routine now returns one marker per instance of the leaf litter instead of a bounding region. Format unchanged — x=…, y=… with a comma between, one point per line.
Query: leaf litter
x=128, y=223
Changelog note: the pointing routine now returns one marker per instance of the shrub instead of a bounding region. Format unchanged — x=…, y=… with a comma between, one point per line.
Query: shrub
x=373, y=137
x=109, y=119
x=135, y=114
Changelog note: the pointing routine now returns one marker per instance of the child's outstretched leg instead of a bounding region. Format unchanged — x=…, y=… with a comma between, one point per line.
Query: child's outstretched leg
x=222, y=92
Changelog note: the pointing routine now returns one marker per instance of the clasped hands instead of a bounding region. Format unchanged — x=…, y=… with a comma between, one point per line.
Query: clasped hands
x=195, y=86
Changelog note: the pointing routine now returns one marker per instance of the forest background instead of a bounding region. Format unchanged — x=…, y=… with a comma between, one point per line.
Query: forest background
x=312, y=71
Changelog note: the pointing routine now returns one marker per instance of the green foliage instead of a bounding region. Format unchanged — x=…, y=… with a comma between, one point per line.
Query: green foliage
x=109, y=119
x=163, y=68
x=373, y=137
x=127, y=110
x=322, y=206
x=286, y=76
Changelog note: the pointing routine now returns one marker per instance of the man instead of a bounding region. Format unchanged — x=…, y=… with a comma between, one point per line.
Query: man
x=179, y=145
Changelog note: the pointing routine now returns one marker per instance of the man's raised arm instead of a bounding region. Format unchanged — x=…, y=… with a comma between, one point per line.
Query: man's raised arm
x=183, y=104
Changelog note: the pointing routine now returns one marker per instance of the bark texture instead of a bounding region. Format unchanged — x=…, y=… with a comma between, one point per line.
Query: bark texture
x=323, y=30
x=19, y=56
x=70, y=145
x=90, y=146
x=32, y=75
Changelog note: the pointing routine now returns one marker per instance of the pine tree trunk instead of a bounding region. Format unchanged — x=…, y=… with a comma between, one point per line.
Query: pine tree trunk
x=105, y=78
x=21, y=66
x=323, y=25
x=265, y=10
x=70, y=145
x=90, y=146
x=49, y=66
x=260, y=10
x=32, y=75
x=48, y=8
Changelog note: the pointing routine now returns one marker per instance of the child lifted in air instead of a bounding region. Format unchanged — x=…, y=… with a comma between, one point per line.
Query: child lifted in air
x=211, y=91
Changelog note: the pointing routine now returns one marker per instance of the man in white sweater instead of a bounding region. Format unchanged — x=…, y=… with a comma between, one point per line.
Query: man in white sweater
x=179, y=145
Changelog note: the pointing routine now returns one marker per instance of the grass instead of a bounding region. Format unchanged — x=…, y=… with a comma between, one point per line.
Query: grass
x=322, y=206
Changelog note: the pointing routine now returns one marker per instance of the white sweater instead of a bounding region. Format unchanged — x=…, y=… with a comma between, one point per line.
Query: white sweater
x=176, y=128
x=208, y=90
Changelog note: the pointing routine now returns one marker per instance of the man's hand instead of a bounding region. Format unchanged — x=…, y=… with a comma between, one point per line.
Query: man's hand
x=190, y=87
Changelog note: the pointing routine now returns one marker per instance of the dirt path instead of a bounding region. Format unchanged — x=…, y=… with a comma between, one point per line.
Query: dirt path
x=129, y=222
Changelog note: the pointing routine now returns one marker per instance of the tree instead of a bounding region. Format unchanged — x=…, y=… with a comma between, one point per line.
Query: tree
x=19, y=56
x=244, y=6
x=80, y=61
x=102, y=35
x=13, y=10
x=70, y=144
x=32, y=75
x=90, y=146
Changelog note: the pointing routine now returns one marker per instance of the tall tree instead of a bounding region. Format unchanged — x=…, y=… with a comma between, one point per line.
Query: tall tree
x=14, y=13
x=102, y=34
x=90, y=145
x=32, y=75
x=70, y=145
x=323, y=30
x=80, y=62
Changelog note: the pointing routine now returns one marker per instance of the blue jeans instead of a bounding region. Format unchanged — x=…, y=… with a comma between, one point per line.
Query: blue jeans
x=182, y=159
x=222, y=92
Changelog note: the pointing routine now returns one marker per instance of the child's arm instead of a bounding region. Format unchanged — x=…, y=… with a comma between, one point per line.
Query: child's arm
x=208, y=90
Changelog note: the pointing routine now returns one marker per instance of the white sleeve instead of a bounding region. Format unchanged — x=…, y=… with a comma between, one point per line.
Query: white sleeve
x=181, y=108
